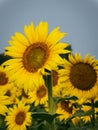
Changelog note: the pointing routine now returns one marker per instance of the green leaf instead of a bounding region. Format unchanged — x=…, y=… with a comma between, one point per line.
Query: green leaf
x=2, y=123
x=88, y=104
x=59, y=99
x=71, y=98
x=44, y=116
x=80, y=113
x=89, y=112
x=96, y=104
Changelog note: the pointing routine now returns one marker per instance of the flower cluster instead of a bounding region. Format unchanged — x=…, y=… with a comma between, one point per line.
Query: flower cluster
x=44, y=85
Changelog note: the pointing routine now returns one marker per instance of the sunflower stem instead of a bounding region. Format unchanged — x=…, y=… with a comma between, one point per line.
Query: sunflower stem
x=51, y=104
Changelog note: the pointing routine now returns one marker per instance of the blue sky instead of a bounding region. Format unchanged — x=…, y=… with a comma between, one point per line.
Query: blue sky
x=79, y=18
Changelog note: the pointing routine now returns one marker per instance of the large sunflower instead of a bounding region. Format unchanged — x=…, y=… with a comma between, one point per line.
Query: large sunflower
x=34, y=52
x=18, y=117
x=80, y=76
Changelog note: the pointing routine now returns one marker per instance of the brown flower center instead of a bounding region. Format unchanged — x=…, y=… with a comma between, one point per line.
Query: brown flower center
x=20, y=118
x=8, y=93
x=65, y=106
x=41, y=92
x=3, y=78
x=55, y=77
x=24, y=94
x=83, y=76
x=35, y=56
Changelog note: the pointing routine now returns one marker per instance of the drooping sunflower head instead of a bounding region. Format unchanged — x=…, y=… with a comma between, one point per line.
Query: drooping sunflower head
x=35, y=51
x=64, y=108
x=81, y=75
x=67, y=109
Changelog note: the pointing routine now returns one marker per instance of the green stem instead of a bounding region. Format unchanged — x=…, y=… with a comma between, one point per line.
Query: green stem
x=51, y=104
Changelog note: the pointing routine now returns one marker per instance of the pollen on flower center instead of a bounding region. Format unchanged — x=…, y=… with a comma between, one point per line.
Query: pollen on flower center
x=41, y=92
x=35, y=56
x=20, y=117
x=83, y=76
x=3, y=78
x=65, y=106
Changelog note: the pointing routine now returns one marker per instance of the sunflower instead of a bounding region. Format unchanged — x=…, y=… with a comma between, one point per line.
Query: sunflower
x=18, y=117
x=88, y=117
x=40, y=94
x=66, y=110
x=56, y=88
x=4, y=79
x=11, y=92
x=4, y=101
x=34, y=52
x=88, y=106
x=24, y=96
x=80, y=76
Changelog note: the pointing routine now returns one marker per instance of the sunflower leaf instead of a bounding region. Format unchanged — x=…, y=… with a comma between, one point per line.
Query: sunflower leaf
x=71, y=98
x=87, y=104
x=96, y=104
x=44, y=116
x=59, y=99
x=80, y=113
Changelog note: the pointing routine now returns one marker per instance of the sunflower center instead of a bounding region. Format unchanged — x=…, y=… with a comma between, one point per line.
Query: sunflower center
x=41, y=92
x=65, y=106
x=55, y=77
x=24, y=94
x=8, y=93
x=35, y=56
x=83, y=76
x=20, y=118
x=3, y=78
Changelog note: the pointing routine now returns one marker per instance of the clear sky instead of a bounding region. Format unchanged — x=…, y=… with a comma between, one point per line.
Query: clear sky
x=79, y=18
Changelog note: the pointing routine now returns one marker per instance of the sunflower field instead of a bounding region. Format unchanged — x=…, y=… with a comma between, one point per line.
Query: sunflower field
x=44, y=85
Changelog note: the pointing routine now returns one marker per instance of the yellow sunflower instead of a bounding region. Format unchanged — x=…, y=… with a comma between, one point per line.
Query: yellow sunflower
x=24, y=96
x=40, y=94
x=18, y=117
x=11, y=92
x=80, y=76
x=56, y=88
x=4, y=101
x=85, y=109
x=66, y=110
x=34, y=52
x=4, y=79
